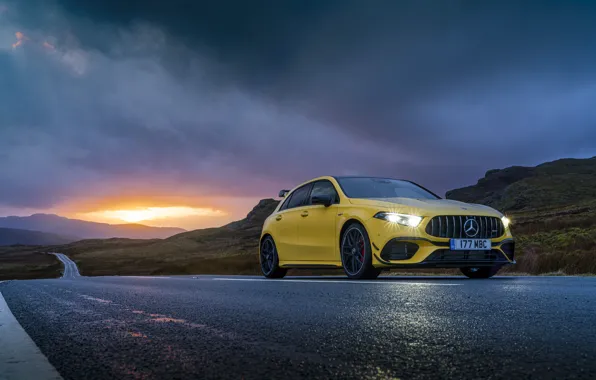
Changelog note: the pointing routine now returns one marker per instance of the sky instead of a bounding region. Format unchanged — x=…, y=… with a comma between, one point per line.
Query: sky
x=199, y=109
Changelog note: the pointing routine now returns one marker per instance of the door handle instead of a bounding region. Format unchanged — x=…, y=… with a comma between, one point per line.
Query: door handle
x=278, y=217
x=304, y=213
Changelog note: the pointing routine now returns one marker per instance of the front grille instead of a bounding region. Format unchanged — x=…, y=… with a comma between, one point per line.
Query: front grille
x=447, y=226
x=445, y=255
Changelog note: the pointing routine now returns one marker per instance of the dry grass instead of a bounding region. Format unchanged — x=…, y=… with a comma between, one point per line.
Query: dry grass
x=182, y=254
x=557, y=240
x=21, y=263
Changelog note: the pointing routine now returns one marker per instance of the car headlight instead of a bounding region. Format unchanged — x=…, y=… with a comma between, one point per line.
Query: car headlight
x=505, y=221
x=403, y=219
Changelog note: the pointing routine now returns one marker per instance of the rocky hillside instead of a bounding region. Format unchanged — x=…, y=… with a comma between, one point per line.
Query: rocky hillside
x=256, y=217
x=550, y=185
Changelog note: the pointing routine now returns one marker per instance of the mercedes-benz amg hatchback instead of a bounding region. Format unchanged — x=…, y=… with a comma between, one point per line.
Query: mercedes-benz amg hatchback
x=365, y=225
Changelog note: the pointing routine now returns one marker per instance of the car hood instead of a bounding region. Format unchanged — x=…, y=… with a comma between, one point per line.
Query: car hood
x=424, y=207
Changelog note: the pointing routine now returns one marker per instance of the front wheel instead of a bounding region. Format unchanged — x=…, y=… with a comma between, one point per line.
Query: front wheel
x=356, y=254
x=270, y=260
x=480, y=272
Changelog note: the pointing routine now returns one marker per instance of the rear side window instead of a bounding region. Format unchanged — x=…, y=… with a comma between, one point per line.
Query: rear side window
x=323, y=188
x=286, y=202
x=299, y=197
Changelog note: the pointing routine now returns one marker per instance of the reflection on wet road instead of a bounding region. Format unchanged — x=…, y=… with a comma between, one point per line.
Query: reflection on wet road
x=245, y=327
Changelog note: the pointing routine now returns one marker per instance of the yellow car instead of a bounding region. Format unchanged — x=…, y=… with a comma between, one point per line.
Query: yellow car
x=366, y=225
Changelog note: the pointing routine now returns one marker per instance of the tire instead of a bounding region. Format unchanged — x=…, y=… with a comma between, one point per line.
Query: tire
x=481, y=272
x=269, y=260
x=356, y=254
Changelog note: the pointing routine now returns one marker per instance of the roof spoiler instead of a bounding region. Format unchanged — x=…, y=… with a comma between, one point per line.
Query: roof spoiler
x=283, y=193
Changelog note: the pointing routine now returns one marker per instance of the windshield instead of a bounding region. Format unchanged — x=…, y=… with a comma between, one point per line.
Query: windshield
x=365, y=187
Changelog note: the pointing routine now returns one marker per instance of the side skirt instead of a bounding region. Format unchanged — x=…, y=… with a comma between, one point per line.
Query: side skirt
x=310, y=266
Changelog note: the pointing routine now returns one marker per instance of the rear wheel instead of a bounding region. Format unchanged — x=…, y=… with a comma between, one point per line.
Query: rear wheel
x=480, y=272
x=356, y=254
x=270, y=260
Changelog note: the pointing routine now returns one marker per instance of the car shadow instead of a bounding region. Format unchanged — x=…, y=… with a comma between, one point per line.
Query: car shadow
x=403, y=278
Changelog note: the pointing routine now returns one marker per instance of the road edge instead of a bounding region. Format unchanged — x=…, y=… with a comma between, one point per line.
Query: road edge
x=20, y=358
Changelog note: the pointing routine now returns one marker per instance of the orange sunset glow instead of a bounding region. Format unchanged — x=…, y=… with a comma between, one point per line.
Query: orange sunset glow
x=150, y=213
x=156, y=209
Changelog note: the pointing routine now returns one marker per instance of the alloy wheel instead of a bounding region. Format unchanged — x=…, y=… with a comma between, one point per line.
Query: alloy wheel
x=353, y=251
x=267, y=256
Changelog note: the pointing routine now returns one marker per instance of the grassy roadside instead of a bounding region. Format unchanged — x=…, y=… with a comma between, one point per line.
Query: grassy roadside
x=556, y=240
x=21, y=262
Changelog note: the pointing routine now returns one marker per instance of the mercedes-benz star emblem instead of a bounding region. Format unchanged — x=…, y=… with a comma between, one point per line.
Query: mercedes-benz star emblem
x=471, y=227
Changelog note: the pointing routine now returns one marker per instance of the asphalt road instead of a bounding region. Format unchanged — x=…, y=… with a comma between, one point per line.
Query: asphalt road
x=251, y=328
x=71, y=271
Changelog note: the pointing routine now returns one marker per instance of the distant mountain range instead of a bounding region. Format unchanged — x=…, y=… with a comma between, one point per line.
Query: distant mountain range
x=12, y=236
x=66, y=229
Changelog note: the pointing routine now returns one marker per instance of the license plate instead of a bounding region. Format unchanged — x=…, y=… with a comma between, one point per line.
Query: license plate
x=470, y=244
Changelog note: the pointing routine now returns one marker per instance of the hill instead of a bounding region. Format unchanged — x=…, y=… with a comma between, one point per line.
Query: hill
x=553, y=211
x=234, y=245
x=553, y=184
x=81, y=229
x=12, y=236
x=22, y=262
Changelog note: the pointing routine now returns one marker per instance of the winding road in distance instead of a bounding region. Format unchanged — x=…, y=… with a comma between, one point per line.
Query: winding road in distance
x=71, y=271
x=242, y=327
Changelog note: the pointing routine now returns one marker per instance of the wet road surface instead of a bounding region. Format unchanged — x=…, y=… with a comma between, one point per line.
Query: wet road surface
x=252, y=328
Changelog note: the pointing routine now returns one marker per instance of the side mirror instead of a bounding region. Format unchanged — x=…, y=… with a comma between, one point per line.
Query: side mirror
x=324, y=200
x=283, y=193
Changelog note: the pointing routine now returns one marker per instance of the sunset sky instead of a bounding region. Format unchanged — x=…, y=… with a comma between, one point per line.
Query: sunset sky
x=186, y=113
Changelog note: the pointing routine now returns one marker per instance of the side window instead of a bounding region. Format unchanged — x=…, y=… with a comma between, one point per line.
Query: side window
x=324, y=188
x=299, y=196
x=286, y=203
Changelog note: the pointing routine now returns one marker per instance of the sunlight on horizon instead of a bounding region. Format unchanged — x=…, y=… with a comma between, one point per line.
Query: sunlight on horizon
x=152, y=213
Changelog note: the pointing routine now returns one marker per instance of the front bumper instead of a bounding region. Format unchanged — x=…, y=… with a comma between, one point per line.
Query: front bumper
x=418, y=252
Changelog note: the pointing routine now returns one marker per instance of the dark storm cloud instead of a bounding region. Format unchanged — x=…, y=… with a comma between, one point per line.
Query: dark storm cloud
x=239, y=98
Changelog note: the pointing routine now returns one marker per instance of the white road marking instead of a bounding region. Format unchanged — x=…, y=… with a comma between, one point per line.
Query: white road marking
x=19, y=356
x=152, y=277
x=100, y=300
x=336, y=281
